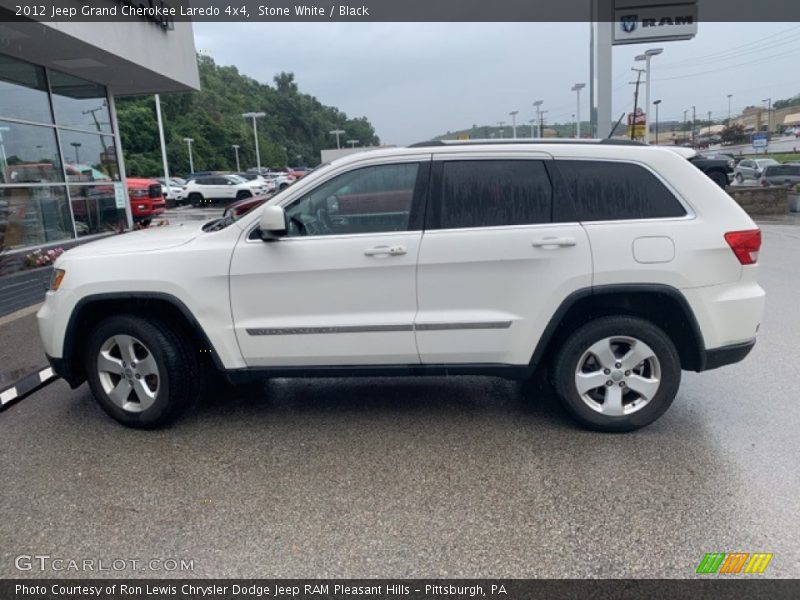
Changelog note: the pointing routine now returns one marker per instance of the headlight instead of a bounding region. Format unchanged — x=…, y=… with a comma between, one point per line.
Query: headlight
x=56, y=277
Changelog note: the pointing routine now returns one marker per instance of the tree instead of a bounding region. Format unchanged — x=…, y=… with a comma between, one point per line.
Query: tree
x=294, y=130
x=733, y=134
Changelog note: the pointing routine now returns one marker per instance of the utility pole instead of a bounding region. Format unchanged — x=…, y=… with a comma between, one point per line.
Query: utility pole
x=541, y=122
x=636, y=98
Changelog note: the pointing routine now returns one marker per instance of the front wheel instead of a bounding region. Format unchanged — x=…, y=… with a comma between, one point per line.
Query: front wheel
x=142, y=372
x=739, y=178
x=617, y=373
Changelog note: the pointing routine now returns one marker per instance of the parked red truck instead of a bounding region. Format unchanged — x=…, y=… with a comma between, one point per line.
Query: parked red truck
x=146, y=198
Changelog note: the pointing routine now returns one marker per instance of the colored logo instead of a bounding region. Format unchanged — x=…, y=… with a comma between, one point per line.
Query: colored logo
x=734, y=563
x=629, y=23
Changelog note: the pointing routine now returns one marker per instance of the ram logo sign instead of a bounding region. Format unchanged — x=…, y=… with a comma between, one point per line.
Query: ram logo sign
x=734, y=563
x=664, y=23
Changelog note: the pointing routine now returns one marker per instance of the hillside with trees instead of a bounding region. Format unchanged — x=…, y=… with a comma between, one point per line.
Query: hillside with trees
x=293, y=132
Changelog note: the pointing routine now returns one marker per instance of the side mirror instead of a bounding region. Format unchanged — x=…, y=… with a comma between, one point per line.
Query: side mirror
x=272, y=224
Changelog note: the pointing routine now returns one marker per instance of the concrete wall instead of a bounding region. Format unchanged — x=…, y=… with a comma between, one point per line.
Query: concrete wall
x=761, y=201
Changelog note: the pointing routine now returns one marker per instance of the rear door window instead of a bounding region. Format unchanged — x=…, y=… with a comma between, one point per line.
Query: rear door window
x=615, y=191
x=492, y=193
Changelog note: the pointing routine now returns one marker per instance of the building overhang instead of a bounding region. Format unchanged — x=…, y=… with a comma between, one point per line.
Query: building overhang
x=129, y=58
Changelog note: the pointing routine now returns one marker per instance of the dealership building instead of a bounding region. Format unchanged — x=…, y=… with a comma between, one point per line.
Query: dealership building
x=62, y=175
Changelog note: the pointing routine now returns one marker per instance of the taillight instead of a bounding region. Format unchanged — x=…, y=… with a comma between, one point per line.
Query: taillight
x=764, y=182
x=745, y=245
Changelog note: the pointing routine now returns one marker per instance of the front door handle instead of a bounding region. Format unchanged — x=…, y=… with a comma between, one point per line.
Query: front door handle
x=385, y=251
x=554, y=241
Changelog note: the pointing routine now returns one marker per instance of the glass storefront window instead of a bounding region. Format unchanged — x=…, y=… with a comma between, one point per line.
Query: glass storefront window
x=95, y=209
x=88, y=157
x=79, y=103
x=23, y=91
x=32, y=216
x=28, y=154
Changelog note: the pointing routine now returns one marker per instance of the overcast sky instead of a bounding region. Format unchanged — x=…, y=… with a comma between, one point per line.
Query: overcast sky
x=417, y=80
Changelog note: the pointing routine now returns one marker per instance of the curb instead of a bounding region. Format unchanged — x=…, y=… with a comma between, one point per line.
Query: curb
x=26, y=385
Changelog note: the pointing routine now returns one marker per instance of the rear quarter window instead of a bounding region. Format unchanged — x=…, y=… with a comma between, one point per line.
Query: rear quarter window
x=614, y=191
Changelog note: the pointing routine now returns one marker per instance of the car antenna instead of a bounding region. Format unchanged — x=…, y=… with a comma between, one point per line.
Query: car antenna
x=616, y=125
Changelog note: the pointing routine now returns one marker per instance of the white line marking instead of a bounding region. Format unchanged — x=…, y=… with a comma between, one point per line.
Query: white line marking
x=8, y=395
x=45, y=374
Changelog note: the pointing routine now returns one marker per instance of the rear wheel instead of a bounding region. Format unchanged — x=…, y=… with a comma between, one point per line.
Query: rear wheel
x=617, y=373
x=243, y=195
x=142, y=373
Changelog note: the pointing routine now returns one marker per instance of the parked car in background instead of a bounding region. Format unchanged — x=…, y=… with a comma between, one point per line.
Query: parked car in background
x=173, y=192
x=268, y=183
x=298, y=172
x=280, y=180
x=242, y=207
x=780, y=175
x=751, y=168
x=718, y=167
x=210, y=188
x=146, y=198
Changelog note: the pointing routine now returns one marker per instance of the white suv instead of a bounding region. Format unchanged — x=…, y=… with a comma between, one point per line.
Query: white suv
x=616, y=266
x=207, y=188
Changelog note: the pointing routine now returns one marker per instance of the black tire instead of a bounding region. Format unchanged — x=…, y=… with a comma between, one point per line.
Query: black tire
x=283, y=186
x=145, y=222
x=243, y=195
x=721, y=179
x=577, y=346
x=195, y=199
x=176, y=386
x=739, y=178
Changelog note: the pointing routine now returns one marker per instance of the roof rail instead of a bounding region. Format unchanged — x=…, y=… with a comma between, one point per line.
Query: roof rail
x=490, y=142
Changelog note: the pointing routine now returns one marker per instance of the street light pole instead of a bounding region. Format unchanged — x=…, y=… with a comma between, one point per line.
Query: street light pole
x=77, y=146
x=236, y=152
x=729, y=109
x=337, y=133
x=577, y=88
x=532, y=122
x=538, y=105
x=646, y=57
x=254, y=116
x=656, y=103
x=189, y=142
x=163, y=143
x=513, y=114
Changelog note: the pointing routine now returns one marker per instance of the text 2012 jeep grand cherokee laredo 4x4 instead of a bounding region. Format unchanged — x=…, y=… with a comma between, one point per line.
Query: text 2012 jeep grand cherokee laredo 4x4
x=615, y=265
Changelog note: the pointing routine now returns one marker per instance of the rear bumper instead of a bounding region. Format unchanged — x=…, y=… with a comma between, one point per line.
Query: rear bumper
x=726, y=355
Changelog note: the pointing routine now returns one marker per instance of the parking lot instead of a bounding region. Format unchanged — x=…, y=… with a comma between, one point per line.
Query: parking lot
x=437, y=477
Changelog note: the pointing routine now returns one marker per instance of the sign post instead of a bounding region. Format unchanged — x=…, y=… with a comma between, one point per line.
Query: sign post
x=760, y=140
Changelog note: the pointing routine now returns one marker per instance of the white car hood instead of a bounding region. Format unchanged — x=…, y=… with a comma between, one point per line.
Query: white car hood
x=146, y=240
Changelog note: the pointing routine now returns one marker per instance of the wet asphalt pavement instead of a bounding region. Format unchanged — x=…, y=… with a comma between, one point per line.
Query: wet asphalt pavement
x=459, y=477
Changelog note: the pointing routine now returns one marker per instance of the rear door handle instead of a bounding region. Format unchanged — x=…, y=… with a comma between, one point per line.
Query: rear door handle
x=554, y=241
x=385, y=251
